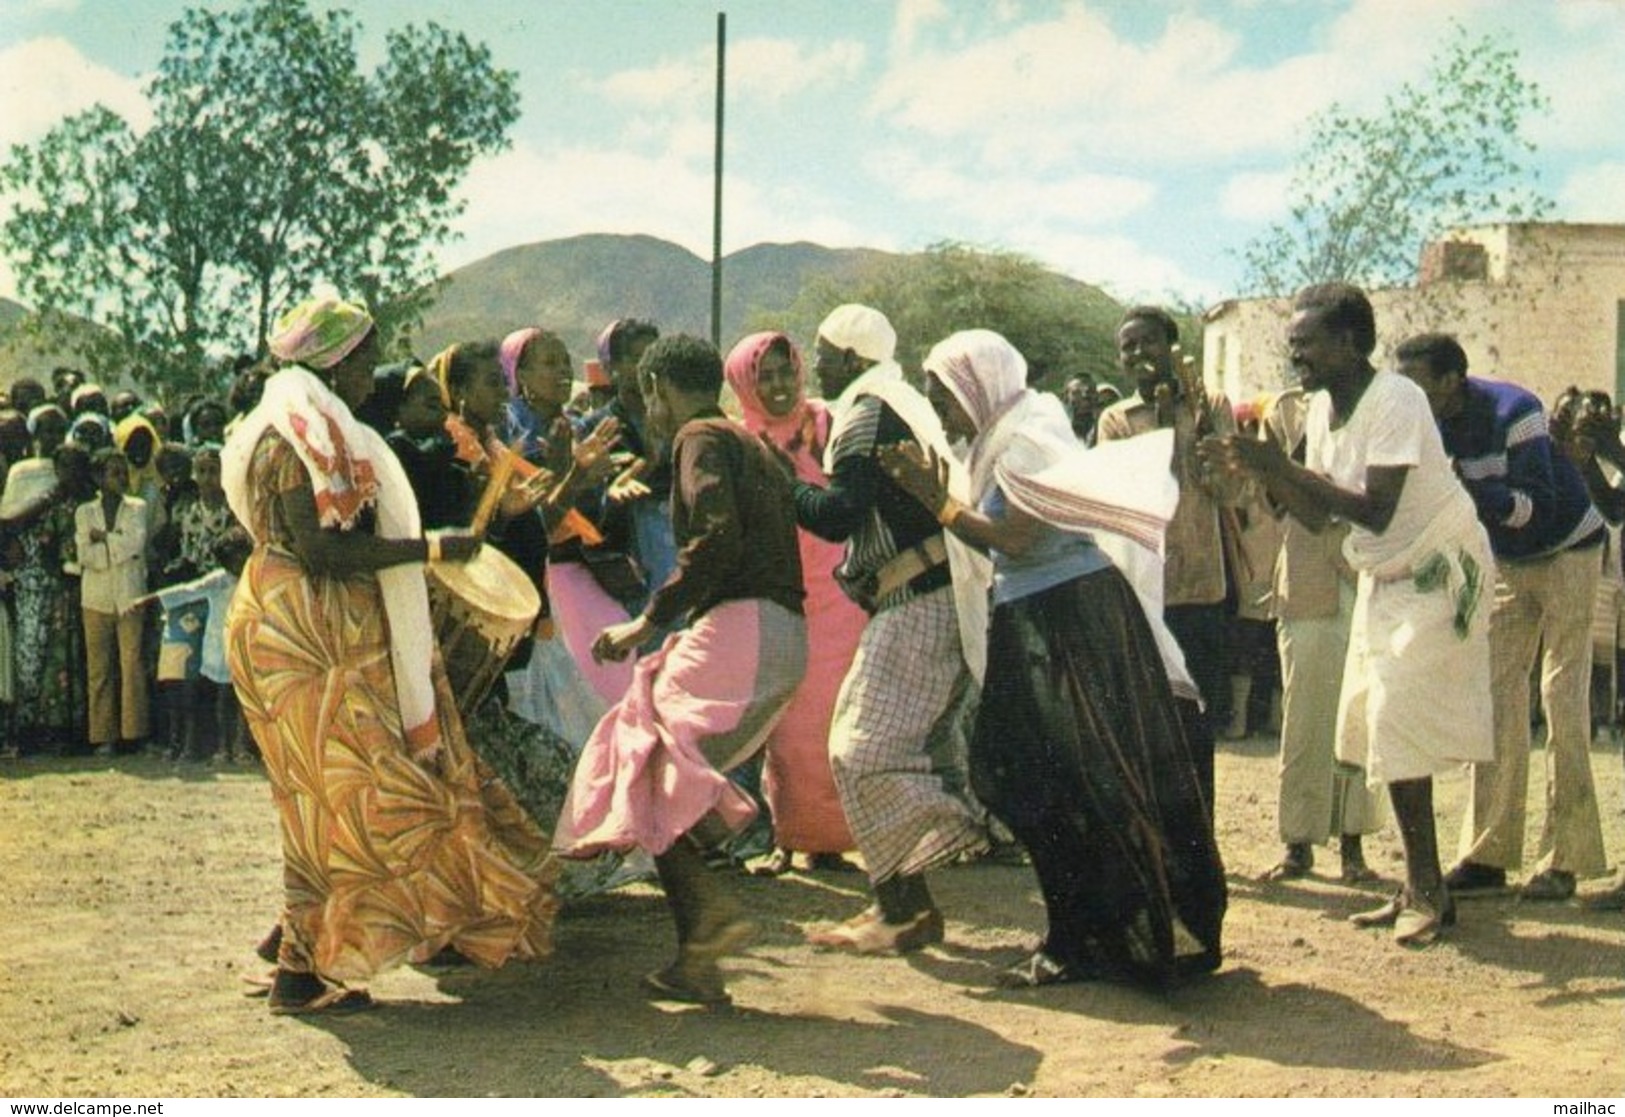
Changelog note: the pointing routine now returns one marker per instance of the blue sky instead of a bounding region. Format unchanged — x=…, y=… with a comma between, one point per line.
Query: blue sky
x=1138, y=144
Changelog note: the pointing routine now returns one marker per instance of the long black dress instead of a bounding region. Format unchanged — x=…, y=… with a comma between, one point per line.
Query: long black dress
x=1079, y=751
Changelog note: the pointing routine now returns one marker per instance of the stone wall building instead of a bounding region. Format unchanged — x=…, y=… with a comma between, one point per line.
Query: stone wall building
x=1542, y=305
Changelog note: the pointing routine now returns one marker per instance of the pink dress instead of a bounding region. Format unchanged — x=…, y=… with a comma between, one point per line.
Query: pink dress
x=796, y=779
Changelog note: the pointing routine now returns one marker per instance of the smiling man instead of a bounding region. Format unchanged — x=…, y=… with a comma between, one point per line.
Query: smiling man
x=1374, y=459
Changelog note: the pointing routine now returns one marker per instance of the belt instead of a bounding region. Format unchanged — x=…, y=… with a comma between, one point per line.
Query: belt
x=909, y=565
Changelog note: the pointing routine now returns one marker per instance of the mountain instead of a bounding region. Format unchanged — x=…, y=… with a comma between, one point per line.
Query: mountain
x=23, y=355
x=575, y=286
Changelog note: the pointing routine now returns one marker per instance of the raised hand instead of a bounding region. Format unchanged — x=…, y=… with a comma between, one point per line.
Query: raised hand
x=918, y=470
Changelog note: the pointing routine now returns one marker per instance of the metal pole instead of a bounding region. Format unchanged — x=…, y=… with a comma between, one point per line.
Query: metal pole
x=716, y=204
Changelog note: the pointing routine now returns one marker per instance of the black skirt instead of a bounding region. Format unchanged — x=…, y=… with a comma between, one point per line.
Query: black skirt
x=1079, y=750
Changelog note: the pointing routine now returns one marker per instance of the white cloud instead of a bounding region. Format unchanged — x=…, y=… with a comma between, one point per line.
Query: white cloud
x=762, y=70
x=44, y=80
x=1594, y=194
x=994, y=200
x=913, y=16
x=1118, y=264
x=1259, y=196
x=1038, y=93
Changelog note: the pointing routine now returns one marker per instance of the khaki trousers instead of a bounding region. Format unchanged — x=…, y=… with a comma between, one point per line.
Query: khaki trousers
x=1541, y=607
x=117, y=688
x=1318, y=796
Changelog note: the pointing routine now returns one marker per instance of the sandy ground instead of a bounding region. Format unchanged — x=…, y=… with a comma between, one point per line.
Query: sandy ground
x=134, y=890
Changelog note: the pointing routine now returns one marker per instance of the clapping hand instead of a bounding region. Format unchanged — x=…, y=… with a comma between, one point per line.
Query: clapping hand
x=1238, y=456
x=918, y=470
x=617, y=641
x=592, y=455
x=626, y=486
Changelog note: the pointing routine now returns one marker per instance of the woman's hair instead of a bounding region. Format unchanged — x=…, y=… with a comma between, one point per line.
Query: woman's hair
x=466, y=360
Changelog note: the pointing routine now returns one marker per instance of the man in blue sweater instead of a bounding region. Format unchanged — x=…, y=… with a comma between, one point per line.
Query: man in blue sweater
x=1547, y=539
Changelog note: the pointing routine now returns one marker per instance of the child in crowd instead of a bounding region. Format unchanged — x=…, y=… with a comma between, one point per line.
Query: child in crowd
x=211, y=721
x=110, y=535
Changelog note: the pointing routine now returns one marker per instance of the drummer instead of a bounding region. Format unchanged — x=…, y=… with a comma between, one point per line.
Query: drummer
x=372, y=875
x=651, y=775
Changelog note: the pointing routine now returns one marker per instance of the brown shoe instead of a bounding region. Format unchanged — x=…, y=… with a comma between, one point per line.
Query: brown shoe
x=1552, y=886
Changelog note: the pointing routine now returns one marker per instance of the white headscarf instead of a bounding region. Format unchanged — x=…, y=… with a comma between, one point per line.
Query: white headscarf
x=1122, y=493
x=350, y=467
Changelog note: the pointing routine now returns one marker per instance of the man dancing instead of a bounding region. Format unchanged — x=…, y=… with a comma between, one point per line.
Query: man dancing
x=651, y=775
x=897, y=741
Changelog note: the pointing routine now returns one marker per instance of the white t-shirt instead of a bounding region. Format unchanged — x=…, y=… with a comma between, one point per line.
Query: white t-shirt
x=1392, y=425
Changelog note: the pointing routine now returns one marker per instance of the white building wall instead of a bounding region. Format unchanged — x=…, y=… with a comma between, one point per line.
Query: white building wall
x=1547, y=316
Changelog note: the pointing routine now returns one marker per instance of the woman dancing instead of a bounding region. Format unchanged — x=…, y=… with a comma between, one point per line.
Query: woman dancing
x=397, y=841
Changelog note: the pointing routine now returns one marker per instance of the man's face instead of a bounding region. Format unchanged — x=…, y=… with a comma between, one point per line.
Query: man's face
x=657, y=413
x=956, y=422
x=1144, y=353
x=1082, y=404
x=115, y=476
x=1321, y=356
x=624, y=374
x=835, y=368
x=1441, y=388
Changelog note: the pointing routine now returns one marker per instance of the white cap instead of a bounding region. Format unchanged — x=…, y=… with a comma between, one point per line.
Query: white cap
x=862, y=329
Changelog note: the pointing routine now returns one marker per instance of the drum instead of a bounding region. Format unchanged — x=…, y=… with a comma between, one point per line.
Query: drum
x=481, y=610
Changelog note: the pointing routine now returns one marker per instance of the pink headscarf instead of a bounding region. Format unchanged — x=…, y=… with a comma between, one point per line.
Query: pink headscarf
x=511, y=352
x=807, y=424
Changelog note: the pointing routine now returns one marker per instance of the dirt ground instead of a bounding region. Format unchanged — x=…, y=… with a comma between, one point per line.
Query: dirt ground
x=133, y=891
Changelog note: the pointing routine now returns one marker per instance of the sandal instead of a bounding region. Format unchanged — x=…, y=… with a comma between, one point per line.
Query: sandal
x=1039, y=970
x=680, y=982
x=1385, y=916
x=258, y=985
x=1295, y=865
x=1420, y=925
x=868, y=933
x=271, y=945
x=775, y=864
x=336, y=1001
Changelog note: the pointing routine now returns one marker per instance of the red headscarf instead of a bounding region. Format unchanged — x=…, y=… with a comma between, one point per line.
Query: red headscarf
x=806, y=426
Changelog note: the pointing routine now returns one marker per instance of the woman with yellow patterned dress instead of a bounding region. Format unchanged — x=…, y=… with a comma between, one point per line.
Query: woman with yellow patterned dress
x=397, y=841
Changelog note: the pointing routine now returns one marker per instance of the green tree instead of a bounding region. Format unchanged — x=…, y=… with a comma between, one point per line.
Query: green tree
x=1063, y=327
x=273, y=165
x=1369, y=191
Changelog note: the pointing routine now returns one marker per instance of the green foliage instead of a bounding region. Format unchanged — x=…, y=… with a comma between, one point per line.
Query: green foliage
x=274, y=165
x=1063, y=327
x=1370, y=191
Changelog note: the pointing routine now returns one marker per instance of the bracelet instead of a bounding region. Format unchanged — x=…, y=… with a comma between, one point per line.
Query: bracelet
x=433, y=542
x=950, y=511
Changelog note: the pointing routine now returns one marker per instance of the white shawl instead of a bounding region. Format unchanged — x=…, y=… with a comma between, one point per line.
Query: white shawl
x=350, y=467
